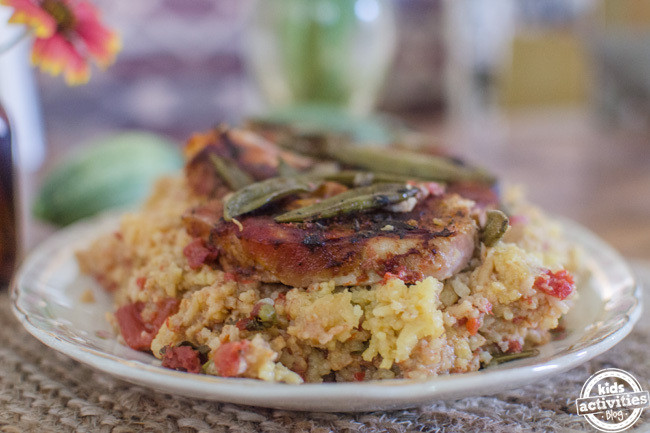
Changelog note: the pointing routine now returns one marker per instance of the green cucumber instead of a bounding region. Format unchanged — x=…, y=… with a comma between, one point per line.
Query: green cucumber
x=115, y=171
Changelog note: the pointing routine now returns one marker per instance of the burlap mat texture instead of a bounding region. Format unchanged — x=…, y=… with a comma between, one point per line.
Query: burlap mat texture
x=44, y=391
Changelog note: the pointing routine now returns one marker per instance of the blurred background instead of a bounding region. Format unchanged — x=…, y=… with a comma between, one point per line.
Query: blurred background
x=187, y=65
x=554, y=94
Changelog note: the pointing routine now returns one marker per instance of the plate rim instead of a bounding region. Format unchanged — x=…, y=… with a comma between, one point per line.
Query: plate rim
x=374, y=395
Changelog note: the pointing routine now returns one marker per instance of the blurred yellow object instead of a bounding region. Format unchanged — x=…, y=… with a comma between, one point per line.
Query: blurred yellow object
x=547, y=67
x=625, y=13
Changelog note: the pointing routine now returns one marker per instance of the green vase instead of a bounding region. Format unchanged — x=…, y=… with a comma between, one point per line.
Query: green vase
x=321, y=52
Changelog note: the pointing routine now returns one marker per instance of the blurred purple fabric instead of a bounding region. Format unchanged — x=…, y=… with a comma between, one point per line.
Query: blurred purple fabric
x=181, y=70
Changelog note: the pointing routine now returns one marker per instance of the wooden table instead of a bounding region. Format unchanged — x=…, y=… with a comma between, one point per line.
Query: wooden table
x=571, y=165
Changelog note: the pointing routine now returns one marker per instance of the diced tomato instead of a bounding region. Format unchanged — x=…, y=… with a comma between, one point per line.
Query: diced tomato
x=514, y=346
x=388, y=276
x=141, y=282
x=229, y=276
x=244, y=324
x=472, y=325
x=559, y=284
x=400, y=272
x=182, y=358
x=164, y=309
x=229, y=358
x=197, y=254
x=434, y=188
x=138, y=332
x=132, y=327
x=359, y=376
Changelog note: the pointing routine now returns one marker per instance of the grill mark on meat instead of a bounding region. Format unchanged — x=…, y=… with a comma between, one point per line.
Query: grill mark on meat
x=351, y=249
x=444, y=233
x=312, y=241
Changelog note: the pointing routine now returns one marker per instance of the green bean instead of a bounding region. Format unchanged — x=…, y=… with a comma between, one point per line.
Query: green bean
x=495, y=227
x=258, y=194
x=507, y=357
x=324, y=168
x=203, y=349
x=406, y=163
x=235, y=177
x=355, y=178
x=354, y=200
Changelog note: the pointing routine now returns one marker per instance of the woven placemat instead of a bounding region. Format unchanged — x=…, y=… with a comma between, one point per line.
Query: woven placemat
x=42, y=391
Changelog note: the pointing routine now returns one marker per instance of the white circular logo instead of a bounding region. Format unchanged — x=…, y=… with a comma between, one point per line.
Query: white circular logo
x=612, y=400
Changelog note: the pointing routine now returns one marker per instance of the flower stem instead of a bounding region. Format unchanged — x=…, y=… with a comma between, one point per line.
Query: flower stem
x=6, y=46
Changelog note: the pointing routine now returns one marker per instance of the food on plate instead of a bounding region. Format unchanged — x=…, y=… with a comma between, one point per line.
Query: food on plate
x=259, y=262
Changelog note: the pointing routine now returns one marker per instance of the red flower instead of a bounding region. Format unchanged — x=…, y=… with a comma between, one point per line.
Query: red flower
x=56, y=54
x=26, y=12
x=68, y=35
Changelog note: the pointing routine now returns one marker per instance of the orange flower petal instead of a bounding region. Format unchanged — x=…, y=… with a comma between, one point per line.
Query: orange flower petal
x=28, y=13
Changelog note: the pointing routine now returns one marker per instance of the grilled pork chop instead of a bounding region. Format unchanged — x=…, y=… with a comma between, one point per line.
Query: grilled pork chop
x=436, y=238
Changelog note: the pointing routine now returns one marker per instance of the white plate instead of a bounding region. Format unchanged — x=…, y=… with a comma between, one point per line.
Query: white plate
x=46, y=299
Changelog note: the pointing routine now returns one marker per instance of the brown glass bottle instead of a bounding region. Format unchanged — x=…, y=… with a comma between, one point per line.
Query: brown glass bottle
x=7, y=211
